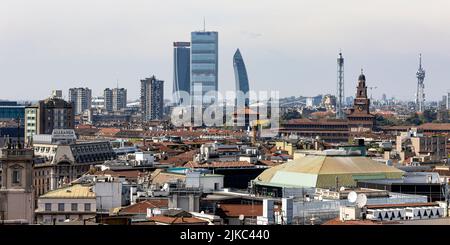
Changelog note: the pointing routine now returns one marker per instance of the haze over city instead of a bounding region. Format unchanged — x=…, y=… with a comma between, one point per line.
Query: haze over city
x=290, y=46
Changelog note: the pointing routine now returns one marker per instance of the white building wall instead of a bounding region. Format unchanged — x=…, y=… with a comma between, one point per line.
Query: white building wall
x=208, y=183
x=47, y=216
x=108, y=195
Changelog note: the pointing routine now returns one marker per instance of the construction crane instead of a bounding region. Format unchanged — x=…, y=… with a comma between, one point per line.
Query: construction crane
x=256, y=128
x=371, y=88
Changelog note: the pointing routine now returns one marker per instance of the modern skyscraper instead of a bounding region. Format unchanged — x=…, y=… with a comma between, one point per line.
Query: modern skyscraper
x=115, y=99
x=57, y=93
x=81, y=99
x=420, y=96
x=49, y=114
x=204, y=67
x=152, y=99
x=241, y=78
x=181, y=69
x=448, y=100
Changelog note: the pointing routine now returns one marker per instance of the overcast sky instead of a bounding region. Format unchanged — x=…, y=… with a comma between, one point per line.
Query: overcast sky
x=290, y=46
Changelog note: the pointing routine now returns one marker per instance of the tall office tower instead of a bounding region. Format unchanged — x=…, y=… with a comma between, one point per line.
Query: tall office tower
x=340, y=87
x=181, y=70
x=420, y=96
x=108, y=99
x=57, y=93
x=115, y=99
x=81, y=99
x=448, y=100
x=204, y=67
x=241, y=78
x=152, y=99
x=49, y=114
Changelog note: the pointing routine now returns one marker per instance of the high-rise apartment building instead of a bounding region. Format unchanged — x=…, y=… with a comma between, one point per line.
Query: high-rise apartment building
x=448, y=100
x=49, y=114
x=81, y=99
x=115, y=99
x=181, y=70
x=241, y=78
x=204, y=67
x=152, y=99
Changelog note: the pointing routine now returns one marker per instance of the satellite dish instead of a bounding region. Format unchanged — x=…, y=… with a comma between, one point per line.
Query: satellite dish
x=241, y=217
x=352, y=196
x=342, y=188
x=361, y=200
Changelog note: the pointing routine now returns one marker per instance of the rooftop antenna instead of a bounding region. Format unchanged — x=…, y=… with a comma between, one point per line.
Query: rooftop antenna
x=204, y=24
x=340, y=86
x=361, y=200
x=352, y=197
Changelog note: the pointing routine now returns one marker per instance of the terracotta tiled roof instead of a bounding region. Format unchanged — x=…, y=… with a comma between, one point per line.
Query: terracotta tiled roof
x=181, y=159
x=318, y=121
x=337, y=221
x=177, y=220
x=109, y=131
x=399, y=205
x=126, y=174
x=141, y=207
x=236, y=164
x=234, y=210
x=267, y=163
x=435, y=126
x=160, y=177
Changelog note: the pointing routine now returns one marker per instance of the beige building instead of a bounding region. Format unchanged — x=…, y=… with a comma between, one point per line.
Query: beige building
x=76, y=202
x=16, y=185
x=412, y=146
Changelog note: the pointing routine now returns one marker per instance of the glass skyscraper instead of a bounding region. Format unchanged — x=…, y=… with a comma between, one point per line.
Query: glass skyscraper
x=240, y=75
x=181, y=69
x=204, y=67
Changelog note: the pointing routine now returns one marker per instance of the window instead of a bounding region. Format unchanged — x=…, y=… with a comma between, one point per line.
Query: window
x=48, y=207
x=87, y=207
x=61, y=207
x=16, y=176
x=74, y=207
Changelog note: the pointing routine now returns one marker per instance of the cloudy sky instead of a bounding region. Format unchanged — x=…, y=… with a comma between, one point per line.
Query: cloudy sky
x=290, y=46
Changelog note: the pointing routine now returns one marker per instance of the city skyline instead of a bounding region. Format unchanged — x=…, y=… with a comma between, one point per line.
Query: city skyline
x=291, y=45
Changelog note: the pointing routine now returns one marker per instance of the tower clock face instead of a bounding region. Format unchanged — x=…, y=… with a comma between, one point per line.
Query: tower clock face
x=360, y=108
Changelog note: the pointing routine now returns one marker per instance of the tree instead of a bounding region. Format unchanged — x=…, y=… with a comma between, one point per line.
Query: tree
x=291, y=115
x=428, y=116
x=414, y=119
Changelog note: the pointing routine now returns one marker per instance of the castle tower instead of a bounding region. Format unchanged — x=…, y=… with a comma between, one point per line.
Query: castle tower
x=360, y=120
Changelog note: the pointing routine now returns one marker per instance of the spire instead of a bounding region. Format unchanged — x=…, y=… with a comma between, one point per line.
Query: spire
x=204, y=24
x=420, y=61
x=362, y=77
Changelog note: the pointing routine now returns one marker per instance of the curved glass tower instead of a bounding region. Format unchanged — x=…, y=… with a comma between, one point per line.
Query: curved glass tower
x=240, y=74
x=181, y=69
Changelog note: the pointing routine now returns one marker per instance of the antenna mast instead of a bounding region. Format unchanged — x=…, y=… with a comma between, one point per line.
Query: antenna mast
x=420, y=96
x=204, y=24
x=340, y=87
